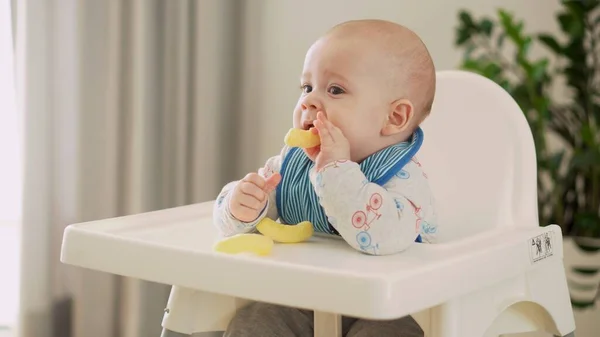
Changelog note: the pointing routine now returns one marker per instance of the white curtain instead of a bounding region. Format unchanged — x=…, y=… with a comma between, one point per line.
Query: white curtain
x=10, y=170
x=129, y=106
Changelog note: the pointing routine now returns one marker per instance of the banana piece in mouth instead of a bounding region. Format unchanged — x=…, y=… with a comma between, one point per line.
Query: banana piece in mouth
x=302, y=138
x=285, y=233
x=245, y=243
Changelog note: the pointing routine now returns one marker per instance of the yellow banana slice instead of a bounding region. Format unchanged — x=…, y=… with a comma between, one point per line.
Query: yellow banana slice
x=245, y=243
x=285, y=233
x=302, y=138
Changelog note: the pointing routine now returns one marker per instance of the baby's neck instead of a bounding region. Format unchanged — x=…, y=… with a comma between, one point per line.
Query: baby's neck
x=382, y=143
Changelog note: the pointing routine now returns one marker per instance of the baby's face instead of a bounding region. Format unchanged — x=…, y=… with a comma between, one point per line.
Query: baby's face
x=346, y=80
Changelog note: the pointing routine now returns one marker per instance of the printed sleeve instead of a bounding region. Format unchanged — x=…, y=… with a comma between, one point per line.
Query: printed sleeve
x=374, y=219
x=226, y=223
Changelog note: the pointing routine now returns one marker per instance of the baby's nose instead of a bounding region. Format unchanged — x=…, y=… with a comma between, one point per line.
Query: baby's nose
x=306, y=106
x=311, y=102
x=309, y=106
x=311, y=114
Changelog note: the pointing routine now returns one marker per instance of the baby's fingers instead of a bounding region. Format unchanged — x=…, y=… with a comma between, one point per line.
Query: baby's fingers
x=323, y=129
x=255, y=179
x=271, y=183
x=250, y=202
x=335, y=133
x=250, y=189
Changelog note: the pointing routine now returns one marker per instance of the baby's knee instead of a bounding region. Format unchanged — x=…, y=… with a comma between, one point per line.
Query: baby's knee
x=257, y=310
x=402, y=327
x=263, y=319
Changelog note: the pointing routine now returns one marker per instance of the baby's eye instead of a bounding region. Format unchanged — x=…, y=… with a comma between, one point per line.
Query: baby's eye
x=334, y=90
x=306, y=88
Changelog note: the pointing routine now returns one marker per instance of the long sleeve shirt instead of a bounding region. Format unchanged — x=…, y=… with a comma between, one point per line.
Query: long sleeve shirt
x=372, y=218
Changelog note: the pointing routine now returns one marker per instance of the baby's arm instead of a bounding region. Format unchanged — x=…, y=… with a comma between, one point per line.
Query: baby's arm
x=226, y=222
x=374, y=219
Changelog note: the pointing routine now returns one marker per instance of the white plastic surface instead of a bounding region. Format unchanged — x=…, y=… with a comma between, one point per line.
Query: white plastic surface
x=489, y=265
x=186, y=305
x=175, y=247
x=479, y=155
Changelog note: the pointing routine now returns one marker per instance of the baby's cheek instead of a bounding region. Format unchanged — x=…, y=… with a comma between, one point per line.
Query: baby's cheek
x=358, y=132
x=297, y=117
x=354, y=138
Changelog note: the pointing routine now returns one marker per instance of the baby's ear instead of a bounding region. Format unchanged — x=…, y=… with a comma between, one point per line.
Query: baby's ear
x=399, y=117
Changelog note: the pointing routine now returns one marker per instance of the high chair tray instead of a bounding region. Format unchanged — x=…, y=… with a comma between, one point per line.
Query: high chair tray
x=174, y=246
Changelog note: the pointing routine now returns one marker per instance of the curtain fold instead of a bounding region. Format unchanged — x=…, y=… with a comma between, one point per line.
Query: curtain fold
x=130, y=106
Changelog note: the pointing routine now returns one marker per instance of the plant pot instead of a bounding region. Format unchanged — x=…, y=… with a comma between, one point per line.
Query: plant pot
x=582, y=266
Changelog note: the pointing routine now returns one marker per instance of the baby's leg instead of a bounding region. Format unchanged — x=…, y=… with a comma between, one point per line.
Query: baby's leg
x=268, y=320
x=402, y=327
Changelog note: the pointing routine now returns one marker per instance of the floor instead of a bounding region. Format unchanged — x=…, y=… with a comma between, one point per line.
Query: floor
x=9, y=283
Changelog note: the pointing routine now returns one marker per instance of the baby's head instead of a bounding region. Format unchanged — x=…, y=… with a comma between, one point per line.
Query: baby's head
x=373, y=79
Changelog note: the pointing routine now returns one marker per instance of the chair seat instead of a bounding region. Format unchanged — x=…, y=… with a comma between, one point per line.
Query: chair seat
x=174, y=247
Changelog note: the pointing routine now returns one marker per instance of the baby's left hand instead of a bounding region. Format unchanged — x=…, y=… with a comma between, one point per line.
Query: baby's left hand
x=334, y=145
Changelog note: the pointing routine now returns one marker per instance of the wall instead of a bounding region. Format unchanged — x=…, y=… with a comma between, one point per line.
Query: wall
x=284, y=30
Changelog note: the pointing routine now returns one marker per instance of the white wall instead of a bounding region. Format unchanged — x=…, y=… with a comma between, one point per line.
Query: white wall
x=286, y=29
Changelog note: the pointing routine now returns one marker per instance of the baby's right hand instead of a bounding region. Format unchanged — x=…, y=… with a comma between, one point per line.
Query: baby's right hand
x=250, y=196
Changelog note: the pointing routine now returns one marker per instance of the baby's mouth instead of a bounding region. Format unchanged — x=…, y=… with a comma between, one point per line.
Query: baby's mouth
x=307, y=125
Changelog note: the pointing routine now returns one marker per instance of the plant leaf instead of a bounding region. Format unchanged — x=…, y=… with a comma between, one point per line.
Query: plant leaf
x=539, y=69
x=465, y=29
x=555, y=161
x=576, y=8
x=524, y=46
x=462, y=35
x=507, y=22
x=571, y=25
x=486, y=25
x=585, y=159
x=550, y=42
x=492, y=70
x=588, y=136
x=500, y=40
x=466, y=19
x=587, y=224
x=470, y=48
x=473, y=65
x=590, y=5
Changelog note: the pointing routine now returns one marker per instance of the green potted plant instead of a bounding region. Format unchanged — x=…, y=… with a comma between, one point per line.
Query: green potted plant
x=566, y=130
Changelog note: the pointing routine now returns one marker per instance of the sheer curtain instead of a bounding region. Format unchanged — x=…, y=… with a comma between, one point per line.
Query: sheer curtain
x=129, y=106
x=10, y=171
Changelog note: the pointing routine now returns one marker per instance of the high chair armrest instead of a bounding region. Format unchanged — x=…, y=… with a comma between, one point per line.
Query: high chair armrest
x=174, y=247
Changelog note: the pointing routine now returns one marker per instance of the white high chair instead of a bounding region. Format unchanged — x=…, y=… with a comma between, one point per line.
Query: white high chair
x=494, y=272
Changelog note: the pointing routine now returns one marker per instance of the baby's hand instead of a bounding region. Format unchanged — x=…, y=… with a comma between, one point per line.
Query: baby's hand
x=250, y=196
x=334, y=145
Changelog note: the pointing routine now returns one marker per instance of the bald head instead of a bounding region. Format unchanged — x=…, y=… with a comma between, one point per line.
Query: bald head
x=410, y=67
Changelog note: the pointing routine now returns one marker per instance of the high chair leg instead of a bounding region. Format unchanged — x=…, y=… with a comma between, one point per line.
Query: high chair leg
x=327, y=324
x=191, y=311
x=169, y=333
x=445, y=320
x=572, y=334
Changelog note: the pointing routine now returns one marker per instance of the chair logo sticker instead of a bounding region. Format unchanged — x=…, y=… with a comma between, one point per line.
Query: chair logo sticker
x=540, y=247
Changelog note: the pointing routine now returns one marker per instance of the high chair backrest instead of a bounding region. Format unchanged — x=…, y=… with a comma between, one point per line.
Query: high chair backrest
x=479, y=155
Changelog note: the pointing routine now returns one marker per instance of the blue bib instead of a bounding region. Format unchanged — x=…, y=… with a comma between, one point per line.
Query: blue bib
x=297, y=200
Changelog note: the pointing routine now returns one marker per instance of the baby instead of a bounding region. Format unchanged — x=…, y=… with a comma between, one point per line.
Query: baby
x=366, y=87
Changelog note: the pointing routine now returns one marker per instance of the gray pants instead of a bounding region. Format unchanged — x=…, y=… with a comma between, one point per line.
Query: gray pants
x=268, y=320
